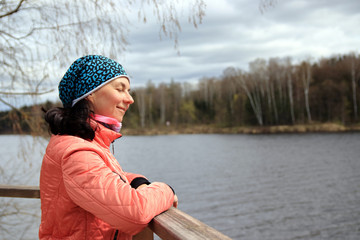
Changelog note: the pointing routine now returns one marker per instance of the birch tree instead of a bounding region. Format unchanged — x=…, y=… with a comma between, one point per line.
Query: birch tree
x=254, y=97
x=288, y=70
x=306, y=78
x=273, y=80
x=150, y=89
x=162, y=101
x=355, y=75
x=252, y=86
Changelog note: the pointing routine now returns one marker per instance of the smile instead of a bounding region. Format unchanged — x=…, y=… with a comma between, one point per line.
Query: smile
x=121, y=108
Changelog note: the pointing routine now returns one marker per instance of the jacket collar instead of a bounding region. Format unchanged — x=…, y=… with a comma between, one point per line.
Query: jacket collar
x=103, y=135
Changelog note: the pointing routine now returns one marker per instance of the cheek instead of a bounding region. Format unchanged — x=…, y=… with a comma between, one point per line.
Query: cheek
x=116, y=99
x=102, y=105
x=106, y=103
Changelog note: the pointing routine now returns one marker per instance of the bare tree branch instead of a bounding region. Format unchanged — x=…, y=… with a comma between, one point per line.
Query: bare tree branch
x=9, y=105
x=266, y=4
x=27, y=93
x=13, y=11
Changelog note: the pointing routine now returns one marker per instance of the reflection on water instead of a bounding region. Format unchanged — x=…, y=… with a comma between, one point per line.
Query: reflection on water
x=254, y=187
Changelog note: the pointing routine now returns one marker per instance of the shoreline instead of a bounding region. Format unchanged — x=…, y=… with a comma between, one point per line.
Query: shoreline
x=280, y=129
x=210, y=129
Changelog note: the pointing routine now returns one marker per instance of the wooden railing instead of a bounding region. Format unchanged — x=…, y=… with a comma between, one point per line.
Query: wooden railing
x=170, y=225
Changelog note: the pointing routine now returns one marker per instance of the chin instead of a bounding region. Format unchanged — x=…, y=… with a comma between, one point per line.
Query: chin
x=119, y=119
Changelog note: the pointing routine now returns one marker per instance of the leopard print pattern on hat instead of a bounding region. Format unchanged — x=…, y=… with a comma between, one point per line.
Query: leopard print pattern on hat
x=85, y=75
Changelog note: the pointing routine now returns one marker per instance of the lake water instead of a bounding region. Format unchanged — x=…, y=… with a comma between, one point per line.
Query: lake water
x=285, y=186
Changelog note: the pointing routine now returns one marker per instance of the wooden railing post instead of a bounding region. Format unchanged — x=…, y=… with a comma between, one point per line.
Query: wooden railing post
x=146, y=234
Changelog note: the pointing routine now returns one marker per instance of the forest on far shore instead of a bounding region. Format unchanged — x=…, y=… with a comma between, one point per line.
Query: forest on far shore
x=273, y=92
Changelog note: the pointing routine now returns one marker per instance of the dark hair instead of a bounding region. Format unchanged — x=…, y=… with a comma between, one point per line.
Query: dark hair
x=73, y=121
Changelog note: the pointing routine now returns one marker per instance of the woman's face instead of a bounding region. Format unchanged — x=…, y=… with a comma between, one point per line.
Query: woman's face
x=113, y=99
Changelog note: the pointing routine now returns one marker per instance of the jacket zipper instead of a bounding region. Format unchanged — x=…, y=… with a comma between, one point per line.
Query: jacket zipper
x=119, y=176
x=116, y=234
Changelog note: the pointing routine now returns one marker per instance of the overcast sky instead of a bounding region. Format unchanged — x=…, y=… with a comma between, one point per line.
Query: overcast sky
x=235, y=32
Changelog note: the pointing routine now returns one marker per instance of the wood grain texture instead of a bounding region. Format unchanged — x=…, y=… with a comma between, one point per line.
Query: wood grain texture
x=19, y=191
x=175, y=224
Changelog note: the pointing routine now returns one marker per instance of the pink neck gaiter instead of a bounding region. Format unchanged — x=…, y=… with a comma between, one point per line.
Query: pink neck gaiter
x=108, y=122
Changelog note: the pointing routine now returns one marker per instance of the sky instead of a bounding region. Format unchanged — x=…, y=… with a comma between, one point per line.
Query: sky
x=234, y=33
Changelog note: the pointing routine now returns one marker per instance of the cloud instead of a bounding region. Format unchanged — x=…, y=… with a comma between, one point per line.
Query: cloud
x=235, y=33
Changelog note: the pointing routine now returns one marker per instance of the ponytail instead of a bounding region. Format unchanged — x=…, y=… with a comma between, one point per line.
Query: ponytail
x=73, y=121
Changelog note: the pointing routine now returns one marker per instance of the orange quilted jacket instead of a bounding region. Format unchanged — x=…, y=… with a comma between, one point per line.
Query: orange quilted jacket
x=85, y=194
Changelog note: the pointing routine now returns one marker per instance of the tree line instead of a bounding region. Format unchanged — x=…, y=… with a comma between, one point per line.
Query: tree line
x=272, y=92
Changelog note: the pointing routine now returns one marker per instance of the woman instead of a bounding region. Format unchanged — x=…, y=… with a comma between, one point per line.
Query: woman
x=85, y=194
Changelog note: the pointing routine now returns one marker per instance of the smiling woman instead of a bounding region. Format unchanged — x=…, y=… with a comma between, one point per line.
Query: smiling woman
x=85, y=194
x=113, y=99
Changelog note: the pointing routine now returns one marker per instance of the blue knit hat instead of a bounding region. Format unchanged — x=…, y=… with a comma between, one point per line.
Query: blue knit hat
x=85, y=76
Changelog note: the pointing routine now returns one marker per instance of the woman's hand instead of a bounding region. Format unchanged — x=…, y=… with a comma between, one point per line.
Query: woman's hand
x=175, y=203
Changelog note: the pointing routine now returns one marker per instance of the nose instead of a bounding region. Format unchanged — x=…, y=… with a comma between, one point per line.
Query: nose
x=129, y=99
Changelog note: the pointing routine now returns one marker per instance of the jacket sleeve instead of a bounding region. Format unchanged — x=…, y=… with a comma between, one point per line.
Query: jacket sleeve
x=95, y=188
